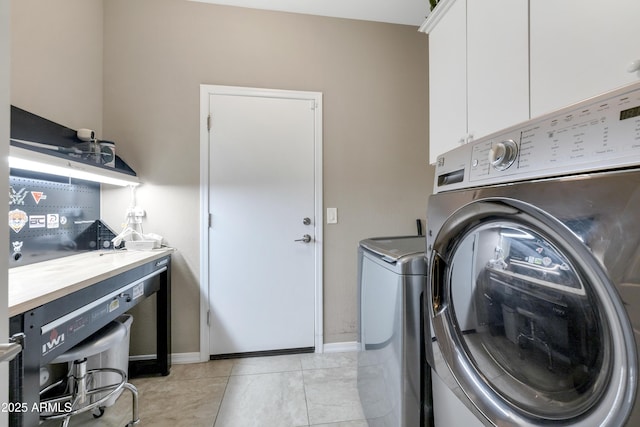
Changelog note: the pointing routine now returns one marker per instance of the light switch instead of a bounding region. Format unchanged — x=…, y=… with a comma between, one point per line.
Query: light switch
x=332, y=215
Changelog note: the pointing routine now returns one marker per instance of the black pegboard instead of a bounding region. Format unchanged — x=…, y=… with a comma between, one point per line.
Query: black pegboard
x=51, y=217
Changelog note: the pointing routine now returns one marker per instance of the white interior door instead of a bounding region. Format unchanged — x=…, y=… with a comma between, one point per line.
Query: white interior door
x=261, y=188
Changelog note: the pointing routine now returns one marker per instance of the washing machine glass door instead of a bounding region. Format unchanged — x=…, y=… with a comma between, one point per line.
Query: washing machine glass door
x=528, y=321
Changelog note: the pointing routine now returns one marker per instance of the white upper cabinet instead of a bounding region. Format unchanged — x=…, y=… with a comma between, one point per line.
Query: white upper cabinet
x=581, y=48
x=478, y=70
x=447, y=79
x=497, y=65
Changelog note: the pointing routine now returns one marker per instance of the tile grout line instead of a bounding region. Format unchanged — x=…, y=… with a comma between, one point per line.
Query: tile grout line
x=224, y=393
x=304, y=390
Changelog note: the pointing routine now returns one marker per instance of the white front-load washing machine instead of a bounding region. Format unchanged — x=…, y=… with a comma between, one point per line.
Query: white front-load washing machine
x=533, y=249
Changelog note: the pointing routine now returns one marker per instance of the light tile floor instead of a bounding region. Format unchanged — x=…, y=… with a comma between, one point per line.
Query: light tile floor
x=317, y=390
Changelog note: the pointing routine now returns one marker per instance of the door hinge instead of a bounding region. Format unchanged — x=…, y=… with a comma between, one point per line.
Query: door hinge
x=208, y=317
x=210, y=220
x=209, y=122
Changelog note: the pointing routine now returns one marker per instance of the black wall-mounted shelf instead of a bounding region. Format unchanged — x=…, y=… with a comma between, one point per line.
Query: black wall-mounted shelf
x=26, y=126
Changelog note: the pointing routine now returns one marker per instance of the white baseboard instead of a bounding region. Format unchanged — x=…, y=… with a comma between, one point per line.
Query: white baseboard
x=185, y=358
x=176, y=358
x=341, y=347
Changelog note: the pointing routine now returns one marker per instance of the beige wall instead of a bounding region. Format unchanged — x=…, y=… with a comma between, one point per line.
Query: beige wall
x=374, y=80
x=56, y=60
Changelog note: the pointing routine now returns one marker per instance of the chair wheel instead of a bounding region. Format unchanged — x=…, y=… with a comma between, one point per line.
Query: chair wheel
x=98, y=412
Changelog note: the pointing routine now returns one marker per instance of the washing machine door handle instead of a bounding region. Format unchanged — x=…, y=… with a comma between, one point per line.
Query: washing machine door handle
x=438, y=268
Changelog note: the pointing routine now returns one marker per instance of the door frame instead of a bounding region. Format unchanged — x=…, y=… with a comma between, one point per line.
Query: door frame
x=205, y=91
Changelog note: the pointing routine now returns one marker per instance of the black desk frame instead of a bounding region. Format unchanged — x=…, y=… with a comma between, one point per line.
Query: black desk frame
x=24, y=370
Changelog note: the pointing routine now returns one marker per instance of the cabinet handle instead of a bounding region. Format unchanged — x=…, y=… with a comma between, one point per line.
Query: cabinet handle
x=634, y=66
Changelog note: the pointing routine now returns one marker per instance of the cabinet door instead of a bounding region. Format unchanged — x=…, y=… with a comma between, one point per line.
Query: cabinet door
x=447, y=81
x=497, y=65
x=580, y=48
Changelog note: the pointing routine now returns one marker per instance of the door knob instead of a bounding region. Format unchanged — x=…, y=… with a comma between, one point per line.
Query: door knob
x=306, y=221
x=306, y=239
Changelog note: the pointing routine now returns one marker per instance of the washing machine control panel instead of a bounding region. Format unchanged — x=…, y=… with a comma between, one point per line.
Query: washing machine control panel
x=597, y=134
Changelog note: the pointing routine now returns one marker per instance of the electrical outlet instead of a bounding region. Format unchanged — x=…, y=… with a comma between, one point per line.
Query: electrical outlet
x=135, y=215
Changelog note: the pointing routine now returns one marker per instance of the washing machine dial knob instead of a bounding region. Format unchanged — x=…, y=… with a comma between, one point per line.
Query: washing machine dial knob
x=502, y=154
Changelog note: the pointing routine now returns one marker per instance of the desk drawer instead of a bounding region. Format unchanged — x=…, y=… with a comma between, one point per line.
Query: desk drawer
x=63, y=333
x=69, y=320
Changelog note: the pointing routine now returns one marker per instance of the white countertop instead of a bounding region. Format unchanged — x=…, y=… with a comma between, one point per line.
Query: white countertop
x=36, y=284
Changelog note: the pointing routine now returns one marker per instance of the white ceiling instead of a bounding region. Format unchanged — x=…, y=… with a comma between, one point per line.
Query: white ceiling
x=409, y=12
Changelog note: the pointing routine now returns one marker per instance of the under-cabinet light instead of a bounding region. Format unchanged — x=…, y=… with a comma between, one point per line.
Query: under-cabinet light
x=20, y=158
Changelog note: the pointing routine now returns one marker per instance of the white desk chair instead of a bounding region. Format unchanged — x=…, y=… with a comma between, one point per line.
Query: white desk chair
x=80, y=395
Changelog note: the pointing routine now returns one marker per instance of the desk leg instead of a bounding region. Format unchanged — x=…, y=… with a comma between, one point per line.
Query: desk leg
x=24, y=378
x=163, y=319
x=162, y=364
